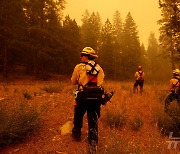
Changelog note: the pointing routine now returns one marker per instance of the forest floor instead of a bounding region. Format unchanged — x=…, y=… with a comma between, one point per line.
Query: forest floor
x=127, y=138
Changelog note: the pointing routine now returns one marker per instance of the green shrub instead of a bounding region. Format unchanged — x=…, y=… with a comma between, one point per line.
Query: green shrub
x=169, y=122
x=162, y=95
x=116, y=120
x=27, y=95
x=16, y=90
x=53, y=87
x=136, y=123
x=165, y=124
x=17, y=122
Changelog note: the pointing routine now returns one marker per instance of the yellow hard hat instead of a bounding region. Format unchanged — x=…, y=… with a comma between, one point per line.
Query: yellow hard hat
x=89, y=51
x=176, y=72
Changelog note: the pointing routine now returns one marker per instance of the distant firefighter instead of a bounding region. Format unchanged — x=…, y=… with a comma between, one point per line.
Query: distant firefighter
x=174, y=88
x=139, y=76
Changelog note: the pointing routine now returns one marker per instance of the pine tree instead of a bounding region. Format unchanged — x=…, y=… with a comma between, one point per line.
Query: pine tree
x=143, y=57
x=45, y=32
x=118, y=29
x=106, y=53
x=153, y=53
x=131, y=46
x=12, y=27
x=85, y=28
x=90, y=29
x=170, y=30
x=72, y=41
x=156, y=61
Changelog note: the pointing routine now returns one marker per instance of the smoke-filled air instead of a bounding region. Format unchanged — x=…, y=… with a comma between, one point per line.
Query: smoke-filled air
x=116, y=62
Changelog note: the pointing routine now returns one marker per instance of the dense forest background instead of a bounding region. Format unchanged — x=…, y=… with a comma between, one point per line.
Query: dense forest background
x=37, y=39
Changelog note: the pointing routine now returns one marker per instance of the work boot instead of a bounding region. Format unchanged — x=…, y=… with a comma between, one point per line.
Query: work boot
x=76, y=134
x=76, y=137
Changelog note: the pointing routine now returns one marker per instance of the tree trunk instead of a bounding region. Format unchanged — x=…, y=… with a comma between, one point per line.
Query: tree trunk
x=36, y=64
x=5, y=60
x=172, y=60
x=5, y=42
x=172, y=57
x=30, y=63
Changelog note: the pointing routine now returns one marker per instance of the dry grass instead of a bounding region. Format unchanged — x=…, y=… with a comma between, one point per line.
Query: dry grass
x=141, y=132
x=53, y=87
x=130, y=123
x=18, y=120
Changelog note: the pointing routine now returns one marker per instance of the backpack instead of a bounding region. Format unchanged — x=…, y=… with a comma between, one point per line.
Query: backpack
x=140, y=75
x=91, y=91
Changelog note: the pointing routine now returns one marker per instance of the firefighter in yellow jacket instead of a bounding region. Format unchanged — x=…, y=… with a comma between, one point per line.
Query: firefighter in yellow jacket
x=174, y=88
x=87, y=74
x=139, y=76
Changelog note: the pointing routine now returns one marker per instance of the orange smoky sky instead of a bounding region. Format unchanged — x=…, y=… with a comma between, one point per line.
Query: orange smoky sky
x=144, y=12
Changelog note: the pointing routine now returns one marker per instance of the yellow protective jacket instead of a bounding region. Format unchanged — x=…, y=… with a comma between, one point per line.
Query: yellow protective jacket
x=80, y=75
x=174, y=84
x=139, y=75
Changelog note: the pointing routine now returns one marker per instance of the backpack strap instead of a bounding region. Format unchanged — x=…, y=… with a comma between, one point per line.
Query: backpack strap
x=176, y=83
x=93, y=68
x=90, y=73
x=140, y=73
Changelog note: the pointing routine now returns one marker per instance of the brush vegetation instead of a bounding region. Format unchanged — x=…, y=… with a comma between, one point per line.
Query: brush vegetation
x=17, y=122
x=130, y=123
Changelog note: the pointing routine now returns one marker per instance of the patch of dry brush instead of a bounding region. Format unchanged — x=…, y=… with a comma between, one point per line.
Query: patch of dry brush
x=130, y=123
